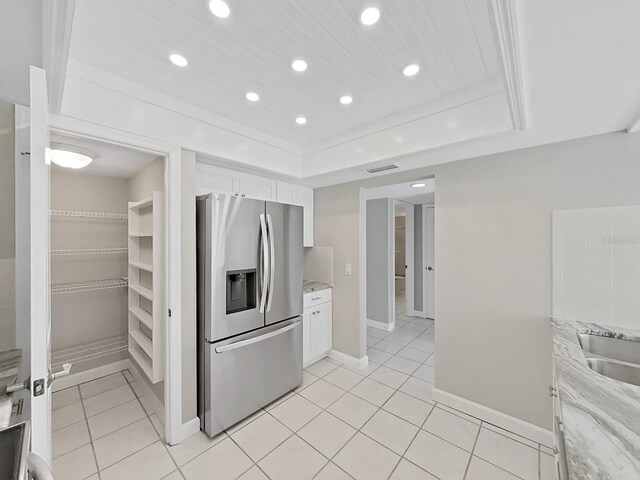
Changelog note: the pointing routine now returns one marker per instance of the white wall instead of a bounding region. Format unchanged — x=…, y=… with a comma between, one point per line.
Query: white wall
x=7, y=228
x=596, y=265
x=493, y=258
x=380, y=231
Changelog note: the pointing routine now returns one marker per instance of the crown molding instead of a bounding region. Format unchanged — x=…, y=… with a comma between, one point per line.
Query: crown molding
x=505, y=31
x=57, y=23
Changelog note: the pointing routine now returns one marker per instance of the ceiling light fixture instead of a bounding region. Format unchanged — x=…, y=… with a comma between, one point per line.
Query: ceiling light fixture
x=63, y=157
x=219, y=8
x=411, y=70
x=253, y=96
x=301, y=120
x=178, y=60
x=346, y=100
x=299, y=65
x=419, y=185
x=370, y=16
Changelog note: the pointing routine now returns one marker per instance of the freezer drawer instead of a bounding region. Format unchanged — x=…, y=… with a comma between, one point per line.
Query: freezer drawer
x=248, y=372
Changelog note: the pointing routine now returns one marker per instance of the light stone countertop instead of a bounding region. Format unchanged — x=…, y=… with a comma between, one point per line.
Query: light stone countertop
x=601, y=416
x=311, y=286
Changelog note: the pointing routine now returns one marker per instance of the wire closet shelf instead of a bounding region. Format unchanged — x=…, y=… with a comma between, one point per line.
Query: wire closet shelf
x=94, y=215
x=90, y=251
x=73, y=287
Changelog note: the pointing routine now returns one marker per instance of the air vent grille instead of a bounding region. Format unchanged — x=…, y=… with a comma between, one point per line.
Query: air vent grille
x=383, y=168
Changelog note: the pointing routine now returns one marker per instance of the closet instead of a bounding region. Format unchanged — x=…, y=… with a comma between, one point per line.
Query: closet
x=107, y=264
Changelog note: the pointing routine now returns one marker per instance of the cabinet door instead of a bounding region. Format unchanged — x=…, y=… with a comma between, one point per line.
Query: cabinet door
x=306, y=335
x=321, y=329
x=253, y=186
x=285, y=193
x=214, y=179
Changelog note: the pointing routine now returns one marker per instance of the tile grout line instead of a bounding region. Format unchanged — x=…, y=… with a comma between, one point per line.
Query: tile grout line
x=473, y=449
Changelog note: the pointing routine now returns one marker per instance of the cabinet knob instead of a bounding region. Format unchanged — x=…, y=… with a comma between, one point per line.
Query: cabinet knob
x=236, y=194
x=242, y=195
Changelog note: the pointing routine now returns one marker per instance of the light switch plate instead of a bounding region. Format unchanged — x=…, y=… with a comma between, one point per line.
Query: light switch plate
x=347, y=269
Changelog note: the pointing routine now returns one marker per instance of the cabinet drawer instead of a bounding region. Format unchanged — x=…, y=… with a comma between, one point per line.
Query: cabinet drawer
x=316, y=298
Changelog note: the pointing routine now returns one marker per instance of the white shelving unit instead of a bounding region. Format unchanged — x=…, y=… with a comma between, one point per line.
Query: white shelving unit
x=146, y=285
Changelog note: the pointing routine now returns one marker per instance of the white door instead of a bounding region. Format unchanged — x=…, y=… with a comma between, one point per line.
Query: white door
x=32, y=257
x=428, y=221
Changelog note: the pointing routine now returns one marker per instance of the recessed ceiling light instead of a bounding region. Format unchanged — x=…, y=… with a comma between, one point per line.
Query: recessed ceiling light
x=411, y=70
x=418, y=185
x=253, y=96
x=68, y=159
x=219, y=8
x=178, y=60
x=370, y=16
x=301, y=120
x=299, y=65
x=346, y=99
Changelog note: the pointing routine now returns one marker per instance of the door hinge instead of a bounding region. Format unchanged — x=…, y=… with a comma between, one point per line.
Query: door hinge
x=38, y=387
x=169, y=312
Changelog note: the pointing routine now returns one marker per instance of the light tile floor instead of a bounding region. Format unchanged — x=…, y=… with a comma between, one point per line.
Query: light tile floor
x=377, y=423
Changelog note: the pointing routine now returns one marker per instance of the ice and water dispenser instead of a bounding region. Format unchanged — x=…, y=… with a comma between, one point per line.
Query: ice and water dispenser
x=241, y=290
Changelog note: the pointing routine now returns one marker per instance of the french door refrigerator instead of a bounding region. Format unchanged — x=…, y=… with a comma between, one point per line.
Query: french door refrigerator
x=249, y=273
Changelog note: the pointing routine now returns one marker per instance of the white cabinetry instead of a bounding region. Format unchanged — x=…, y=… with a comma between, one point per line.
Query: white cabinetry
x=297, y=195
x=316, y=326
x=211, y=178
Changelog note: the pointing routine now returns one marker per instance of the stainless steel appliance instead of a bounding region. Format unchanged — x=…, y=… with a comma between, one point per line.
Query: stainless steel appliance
x=249, y=256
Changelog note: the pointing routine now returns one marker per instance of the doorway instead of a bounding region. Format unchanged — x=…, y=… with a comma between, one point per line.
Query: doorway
x=400, y=271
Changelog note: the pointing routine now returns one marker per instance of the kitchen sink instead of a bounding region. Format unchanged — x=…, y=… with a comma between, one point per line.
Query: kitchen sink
x=623, y=372
x=610, y=348
x=615, y=358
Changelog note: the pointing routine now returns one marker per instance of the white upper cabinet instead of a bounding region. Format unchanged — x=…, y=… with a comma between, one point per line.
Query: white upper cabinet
x=210, y=178
x=297, y=195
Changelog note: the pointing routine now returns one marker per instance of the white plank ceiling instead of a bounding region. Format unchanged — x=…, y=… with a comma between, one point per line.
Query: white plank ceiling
x=252, y=50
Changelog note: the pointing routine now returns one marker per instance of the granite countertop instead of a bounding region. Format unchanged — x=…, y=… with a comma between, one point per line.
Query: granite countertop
x=601, y=416
x=9, y=363
x=310, y=286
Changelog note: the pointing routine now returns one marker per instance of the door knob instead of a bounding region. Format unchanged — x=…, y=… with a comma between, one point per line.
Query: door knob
x=430, y=268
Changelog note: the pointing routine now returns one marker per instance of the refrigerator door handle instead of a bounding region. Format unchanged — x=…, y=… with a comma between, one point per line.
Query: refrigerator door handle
x=264, y=285
x=272, y=266
x=260, y=338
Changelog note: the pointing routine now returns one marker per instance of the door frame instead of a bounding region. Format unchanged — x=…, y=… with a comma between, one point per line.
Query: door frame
x=175, y=429
x=428, y=258
x=409, y=278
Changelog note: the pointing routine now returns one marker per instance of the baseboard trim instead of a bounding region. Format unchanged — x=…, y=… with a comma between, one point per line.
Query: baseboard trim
x=389, y=327
x=348, y=360
x=494, y=417
x=86, y=376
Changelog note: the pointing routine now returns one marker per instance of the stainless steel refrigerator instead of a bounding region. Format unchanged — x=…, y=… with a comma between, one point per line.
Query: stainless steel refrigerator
x=249, y=274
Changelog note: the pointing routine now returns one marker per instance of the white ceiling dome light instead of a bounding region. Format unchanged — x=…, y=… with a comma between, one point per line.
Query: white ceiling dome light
x=299, y=65
x=178, y=60
x=301, y=120
x=370, y=16
x=411, y=70
x=253, y=96
x=69, y=156
x=419, y=185
x=346, y=100
x=219, y=8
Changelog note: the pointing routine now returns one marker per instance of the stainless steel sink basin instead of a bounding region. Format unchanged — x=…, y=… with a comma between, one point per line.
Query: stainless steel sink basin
x=610, y=348
x=623, y=372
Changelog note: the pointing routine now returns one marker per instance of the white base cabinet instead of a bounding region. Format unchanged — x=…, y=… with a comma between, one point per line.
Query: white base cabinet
x=317, y=322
